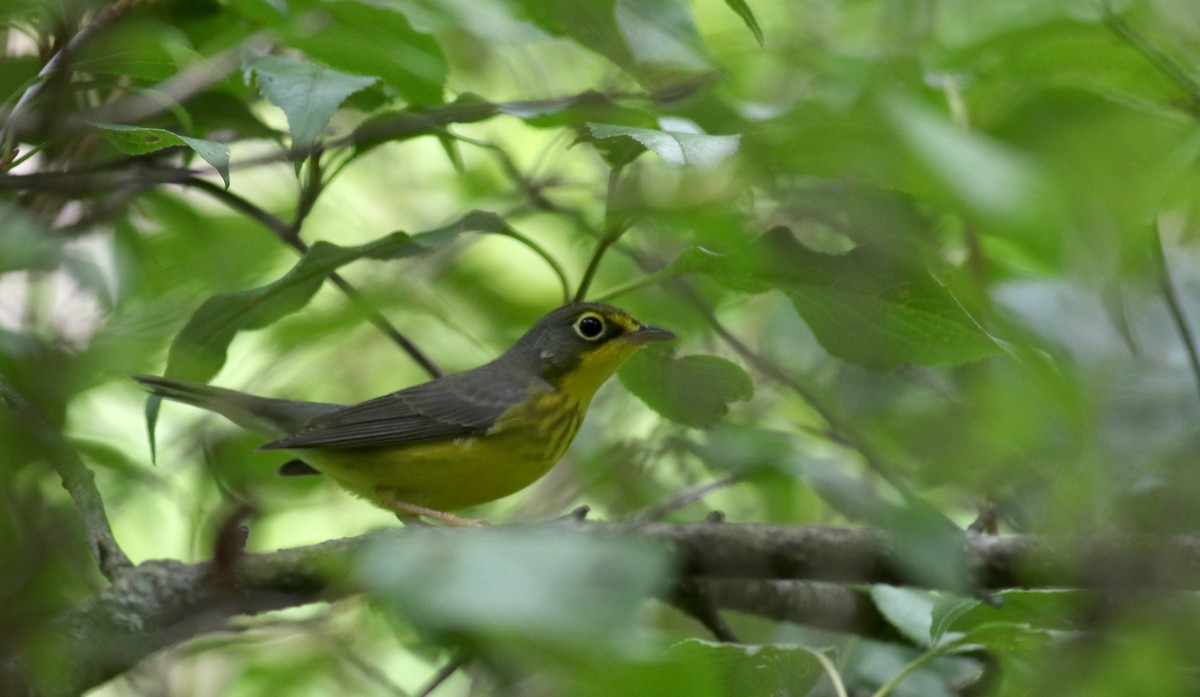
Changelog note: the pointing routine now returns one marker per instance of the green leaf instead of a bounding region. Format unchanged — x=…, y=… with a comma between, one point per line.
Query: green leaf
x=747, y=670
x=657, y=41
x=25, y=243
x=675, y=148
x=692, y=390
x=136, y=140
x=743, y=10
x=996, y=182
x=372, y=39
x=868, y=306
x=908, y=610
x=556, y=589
x=199, y=350
x=1003, y=637
x=308, y=93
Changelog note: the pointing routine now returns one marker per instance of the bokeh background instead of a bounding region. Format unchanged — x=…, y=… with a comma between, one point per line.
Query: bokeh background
x=916, y=250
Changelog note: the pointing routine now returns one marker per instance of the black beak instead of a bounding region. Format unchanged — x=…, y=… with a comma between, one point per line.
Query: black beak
x=644, y=335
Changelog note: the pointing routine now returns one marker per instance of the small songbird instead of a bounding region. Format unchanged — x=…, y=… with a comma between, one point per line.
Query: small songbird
x=455, y=441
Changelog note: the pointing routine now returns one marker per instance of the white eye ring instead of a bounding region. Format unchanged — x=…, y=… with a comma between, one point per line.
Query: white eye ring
x=590, y=326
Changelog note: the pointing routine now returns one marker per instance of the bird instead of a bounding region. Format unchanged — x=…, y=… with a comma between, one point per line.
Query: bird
x=453, y=442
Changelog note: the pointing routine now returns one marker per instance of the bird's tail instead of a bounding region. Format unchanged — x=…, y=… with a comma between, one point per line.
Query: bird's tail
x=269, y=418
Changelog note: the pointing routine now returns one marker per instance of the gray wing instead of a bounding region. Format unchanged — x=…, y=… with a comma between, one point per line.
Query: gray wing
x=459, y=405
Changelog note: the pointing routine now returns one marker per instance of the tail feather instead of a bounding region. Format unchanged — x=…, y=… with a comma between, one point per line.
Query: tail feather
x=269, y=418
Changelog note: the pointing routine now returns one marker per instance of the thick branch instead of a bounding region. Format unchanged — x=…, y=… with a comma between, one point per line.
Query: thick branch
x=753, y=568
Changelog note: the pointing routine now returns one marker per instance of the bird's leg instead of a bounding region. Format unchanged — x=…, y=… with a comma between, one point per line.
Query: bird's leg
x=406, y=511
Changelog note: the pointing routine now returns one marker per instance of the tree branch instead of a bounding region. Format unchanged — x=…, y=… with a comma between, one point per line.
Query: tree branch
x=752, y=568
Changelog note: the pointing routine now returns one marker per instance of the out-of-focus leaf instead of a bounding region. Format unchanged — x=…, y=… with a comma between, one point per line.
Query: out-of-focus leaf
x=370, y=39
x=907, y=609
x=136, y=140
x=867, y=307
x=198, y=352
x=308, y=93
x=550, y=588
x=995, y=182
x=25, y=243
x=691, y=390
x=753, y=670
x=1004, y=637
x=1057, y=610
x=743, y=10
x=675, y=148
x=655, y=40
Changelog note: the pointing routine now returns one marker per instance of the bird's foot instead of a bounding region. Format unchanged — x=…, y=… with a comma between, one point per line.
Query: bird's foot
x=410, y=512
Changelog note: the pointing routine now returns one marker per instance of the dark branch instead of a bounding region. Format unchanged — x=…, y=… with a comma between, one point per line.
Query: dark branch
x=764, y=569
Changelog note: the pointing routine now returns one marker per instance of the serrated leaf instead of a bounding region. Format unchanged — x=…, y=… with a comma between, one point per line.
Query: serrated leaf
x=199, y=350
x=308, y=93
x=675, y=148
x=867, y=306
x=547, y=587
x=907, y=609
x=136, y=140
x=946, y=611
x=692, y=390
x=743, y=10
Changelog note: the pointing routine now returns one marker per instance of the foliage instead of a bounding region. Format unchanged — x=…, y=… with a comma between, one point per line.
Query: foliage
x=920, y=255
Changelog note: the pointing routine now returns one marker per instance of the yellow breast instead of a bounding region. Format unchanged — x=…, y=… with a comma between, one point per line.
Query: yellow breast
x=525, y=442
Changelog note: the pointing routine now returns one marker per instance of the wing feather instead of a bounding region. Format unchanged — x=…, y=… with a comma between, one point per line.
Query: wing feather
x=455, y=406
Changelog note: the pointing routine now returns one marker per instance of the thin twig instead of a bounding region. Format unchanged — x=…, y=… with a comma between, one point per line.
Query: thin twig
x=685, y=498
x=1178, y=318
x=444, y=674
x=77, y=479
x=286, y=233
x=614, y=227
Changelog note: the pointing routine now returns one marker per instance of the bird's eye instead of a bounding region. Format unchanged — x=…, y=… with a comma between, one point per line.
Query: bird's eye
x=589, y=327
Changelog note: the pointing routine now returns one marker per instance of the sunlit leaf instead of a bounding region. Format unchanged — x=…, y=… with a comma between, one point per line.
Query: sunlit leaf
x=675, y=148
x=691, y=390
x=753, y=670
x=308, y=93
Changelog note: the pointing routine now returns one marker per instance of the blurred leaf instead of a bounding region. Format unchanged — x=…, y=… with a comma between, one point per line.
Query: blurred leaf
x=743, y=10
x=560, y=590
x=867, y=306
x=136, y=140
x=946, y=612
x=308, y=93
x=679, y=149
x=656, y=40
x=907, y=609
x=371, y=39
x=743, y=670
x=198, y=352
x=25, y=243
x=1057, y=610
x=993, y=181
x=692, y=390
x=1005, y=637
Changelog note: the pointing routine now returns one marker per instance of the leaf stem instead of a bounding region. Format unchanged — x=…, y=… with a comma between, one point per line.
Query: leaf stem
x=1178, y=318
x=285, y=232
